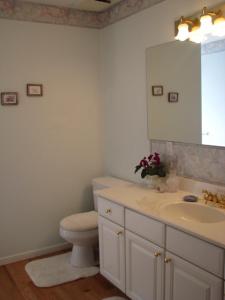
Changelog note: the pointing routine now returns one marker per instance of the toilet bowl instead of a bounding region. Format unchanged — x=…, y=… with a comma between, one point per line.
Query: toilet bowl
x=81, y=229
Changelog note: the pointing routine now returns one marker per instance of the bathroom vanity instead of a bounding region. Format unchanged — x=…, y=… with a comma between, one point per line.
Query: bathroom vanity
x=154, y=251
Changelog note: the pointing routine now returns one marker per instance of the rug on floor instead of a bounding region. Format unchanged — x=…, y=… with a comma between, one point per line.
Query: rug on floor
x=114, y=298
x=56, y=270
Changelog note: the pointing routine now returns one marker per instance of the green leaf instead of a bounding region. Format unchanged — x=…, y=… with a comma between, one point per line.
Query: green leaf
x=137, y=168
x=143, y=173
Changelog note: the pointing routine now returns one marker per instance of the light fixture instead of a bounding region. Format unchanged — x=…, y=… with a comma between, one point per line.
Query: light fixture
x=206, y=21
x=219, y=27
x=183, y=29
x=196, y=35
x=199, y=30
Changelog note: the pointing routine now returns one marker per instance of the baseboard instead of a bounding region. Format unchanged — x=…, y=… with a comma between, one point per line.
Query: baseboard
x=33, y=253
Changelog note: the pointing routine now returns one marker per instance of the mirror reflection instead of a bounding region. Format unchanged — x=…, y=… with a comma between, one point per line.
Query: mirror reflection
x=186, y=92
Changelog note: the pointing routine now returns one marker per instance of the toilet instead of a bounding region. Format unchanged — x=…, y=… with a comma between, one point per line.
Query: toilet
x=81, y=229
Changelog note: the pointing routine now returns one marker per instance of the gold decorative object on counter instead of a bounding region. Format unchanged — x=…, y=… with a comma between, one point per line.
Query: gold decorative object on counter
x=214, y=198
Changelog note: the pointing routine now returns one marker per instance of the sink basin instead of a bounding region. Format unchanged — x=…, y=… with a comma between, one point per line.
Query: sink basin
x=192, y=212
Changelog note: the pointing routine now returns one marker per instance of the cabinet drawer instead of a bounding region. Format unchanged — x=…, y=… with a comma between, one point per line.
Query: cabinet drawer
x=111, y=211
x=199, y=252
x=146, y=227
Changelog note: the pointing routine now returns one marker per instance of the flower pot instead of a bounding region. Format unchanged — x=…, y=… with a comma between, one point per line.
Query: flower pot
x=152, y=181
x=156, y=182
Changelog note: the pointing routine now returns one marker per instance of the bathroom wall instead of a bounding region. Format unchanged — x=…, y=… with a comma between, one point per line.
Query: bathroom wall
x=51, y=147
x=123, y=46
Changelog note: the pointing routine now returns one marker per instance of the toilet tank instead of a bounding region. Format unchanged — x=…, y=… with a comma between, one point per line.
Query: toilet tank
x=104, y=183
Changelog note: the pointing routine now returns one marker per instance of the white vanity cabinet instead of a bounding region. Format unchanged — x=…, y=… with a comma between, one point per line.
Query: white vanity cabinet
x=112, y=252
x=192, y=276
x=144, y=269
x=185, y=281
x=224, y=278
x=149, y=260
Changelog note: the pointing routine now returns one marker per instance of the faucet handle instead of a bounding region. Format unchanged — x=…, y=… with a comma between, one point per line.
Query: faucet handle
x=205, y=195
x=215, y=198
x=221, y=201
x=218, y=200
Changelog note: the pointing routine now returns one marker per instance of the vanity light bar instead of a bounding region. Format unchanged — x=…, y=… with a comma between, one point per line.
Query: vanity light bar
x=198, y=30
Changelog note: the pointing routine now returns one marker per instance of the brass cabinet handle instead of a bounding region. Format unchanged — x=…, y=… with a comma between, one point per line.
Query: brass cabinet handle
x=156, y=254
x=119, y=232
x=167, y=260
x=108, y=211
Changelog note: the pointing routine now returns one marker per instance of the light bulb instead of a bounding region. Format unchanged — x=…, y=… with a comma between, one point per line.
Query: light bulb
x=183, y=32
x=196, y=35
x=219, y=27
x=206, y=24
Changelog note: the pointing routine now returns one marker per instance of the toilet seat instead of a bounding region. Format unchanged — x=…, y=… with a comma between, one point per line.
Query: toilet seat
x=80, y=222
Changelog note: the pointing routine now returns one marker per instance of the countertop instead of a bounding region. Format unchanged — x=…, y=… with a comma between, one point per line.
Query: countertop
x=148, y=202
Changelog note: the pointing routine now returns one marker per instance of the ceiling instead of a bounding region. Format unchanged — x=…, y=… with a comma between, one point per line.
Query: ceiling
x=87, y=5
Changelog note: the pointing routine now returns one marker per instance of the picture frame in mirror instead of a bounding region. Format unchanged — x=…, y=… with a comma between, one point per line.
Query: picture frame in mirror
x=34, y=90
x=157, y=90
x=173, y=97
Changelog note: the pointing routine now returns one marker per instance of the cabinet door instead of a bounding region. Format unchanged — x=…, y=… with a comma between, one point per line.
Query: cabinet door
x=186, y=281
x=112, y=252
x=144, y=269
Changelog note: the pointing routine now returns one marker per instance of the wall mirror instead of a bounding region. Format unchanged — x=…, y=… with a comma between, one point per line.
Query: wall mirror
x=186, y=92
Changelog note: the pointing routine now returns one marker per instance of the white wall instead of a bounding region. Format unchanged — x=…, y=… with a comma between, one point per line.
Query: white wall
x=51, y=147
x=123, y=46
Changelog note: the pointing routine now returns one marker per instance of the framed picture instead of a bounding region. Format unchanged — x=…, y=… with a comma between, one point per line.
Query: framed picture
x=34, y=90
x=157, y=90
x=173, y=97
x=9, y=98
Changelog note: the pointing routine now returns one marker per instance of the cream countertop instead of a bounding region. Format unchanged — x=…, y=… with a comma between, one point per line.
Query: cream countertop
x=148, y=202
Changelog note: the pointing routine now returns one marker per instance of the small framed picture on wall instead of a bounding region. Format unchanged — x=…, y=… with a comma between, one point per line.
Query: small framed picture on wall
x=9, y=98
x=157, y=90
x=173, y=97
x=34, y=90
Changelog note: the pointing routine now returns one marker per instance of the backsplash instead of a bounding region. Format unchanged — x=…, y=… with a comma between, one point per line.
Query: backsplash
x=213, y=47
x=195, y=161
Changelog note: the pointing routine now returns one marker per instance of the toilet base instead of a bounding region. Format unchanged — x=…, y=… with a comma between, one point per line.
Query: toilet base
x=83, y=256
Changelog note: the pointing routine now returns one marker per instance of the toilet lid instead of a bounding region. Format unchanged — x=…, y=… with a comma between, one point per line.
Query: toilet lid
x=80, y=222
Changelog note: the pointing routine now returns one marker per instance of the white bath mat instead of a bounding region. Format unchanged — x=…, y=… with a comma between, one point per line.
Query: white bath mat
x=114, y=298
x=56, y=270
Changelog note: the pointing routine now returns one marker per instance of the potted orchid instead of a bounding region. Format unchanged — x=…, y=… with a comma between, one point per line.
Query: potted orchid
x=152, y=168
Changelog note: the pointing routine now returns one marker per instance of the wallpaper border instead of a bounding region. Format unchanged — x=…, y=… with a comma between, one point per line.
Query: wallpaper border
x=42, y=13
